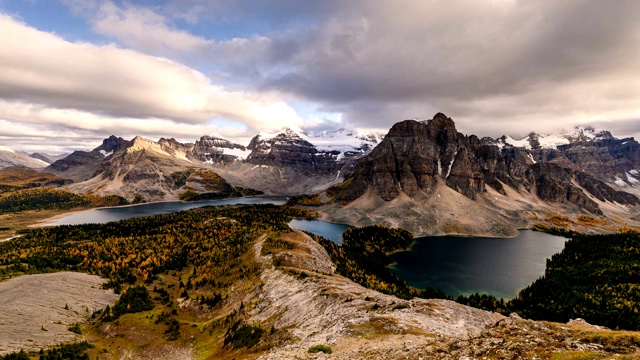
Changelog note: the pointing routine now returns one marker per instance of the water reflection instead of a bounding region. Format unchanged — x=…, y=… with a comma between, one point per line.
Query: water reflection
x=104, y=215
x=466, y=265
x=327, y=230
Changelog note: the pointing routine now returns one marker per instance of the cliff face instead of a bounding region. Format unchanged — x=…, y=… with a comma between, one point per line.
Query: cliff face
x=606, y=158
x=416, y=158
x=210, y=149
x=290, y=149
x=82, y=165
x=412, y=155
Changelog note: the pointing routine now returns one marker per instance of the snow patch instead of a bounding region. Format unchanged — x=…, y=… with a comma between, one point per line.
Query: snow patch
x=4, y=148
x=531, y=157
x=239, y=153
x=451, y=164
x=524, y=142
x=105, y=154
x=439, y=168
x=552, y=141
x=618, y=181
x=631, y=178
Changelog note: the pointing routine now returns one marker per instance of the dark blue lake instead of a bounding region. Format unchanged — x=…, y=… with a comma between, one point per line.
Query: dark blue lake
x=329, y=231
x=467, y=265
x=104, y=215
x=457, y=265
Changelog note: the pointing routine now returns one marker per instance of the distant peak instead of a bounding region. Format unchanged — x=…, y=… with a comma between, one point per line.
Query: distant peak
x=213, y=137
x=139, y=140
x=441, y=121
x=440, y=116
x=287, y=131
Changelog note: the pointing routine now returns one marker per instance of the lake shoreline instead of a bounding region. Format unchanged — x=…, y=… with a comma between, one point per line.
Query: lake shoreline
x=466, y=265
x=177, y=206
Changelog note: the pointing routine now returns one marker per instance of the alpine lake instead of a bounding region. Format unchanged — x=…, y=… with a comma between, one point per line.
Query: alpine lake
x=457, y=265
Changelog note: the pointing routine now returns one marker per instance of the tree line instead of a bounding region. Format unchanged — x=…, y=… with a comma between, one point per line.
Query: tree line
x=595, y=277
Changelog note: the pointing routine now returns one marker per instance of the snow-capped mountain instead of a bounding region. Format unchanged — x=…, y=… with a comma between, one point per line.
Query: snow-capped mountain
x=214, y=149
x=596, y=152
x=578, y=134
x=323, y=154
x=346, y=141
x=337, y=146
x=10, y=157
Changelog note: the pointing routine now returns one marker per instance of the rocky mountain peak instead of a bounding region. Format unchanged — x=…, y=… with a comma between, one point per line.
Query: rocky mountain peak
x=140, y=142
x=176, y=145
x=441, y=120
x=415, y=157
x=110, y=145
x=291, y=133
x=586, y=134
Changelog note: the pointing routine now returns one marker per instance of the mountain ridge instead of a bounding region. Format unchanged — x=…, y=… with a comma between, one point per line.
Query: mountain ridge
x=417, y=161
x=403, y=177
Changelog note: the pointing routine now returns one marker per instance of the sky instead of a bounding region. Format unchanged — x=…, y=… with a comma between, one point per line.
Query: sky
x=73, y=72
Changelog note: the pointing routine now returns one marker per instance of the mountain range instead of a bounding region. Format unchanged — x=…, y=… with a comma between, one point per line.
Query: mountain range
x=423, y=175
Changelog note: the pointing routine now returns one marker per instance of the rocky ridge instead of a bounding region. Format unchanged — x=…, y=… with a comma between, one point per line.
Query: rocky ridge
x=82, y=165
x=48, y=158
x=597, y=153
x=329, y=152
x=408, y=169
x=357, y=323
x=286, y=163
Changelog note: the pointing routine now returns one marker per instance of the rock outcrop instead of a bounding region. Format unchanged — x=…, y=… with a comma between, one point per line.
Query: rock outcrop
x=82, y=165
x=414, y=154
x=289, y=149
x=321, y=307
x=416, y=159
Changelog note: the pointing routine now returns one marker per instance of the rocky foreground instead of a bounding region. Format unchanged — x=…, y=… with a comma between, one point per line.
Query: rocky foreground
x=301, y=302
x=305, y=296
x=37, y=310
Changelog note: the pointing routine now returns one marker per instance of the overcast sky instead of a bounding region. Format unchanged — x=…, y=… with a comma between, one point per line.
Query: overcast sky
x=73, y=72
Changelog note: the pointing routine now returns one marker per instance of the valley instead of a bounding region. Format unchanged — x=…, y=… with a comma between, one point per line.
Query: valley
x=256, y=289
x=348, y=180
x=454, y=184
x=229, y=277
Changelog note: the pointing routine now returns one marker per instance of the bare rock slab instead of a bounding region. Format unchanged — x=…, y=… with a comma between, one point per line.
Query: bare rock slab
x=36, y=310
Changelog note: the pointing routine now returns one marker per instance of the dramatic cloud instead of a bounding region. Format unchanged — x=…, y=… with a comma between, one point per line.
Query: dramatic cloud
x=46, y=80
x=495, y=67
x=519, y=64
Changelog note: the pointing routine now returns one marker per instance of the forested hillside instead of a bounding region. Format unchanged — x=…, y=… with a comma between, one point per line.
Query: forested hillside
x=157, y=263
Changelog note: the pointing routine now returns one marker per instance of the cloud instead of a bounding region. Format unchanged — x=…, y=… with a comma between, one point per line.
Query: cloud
x=143, y=29
x=86, y=86
x=493, y=66
x=519, y=62
x=37, y=128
